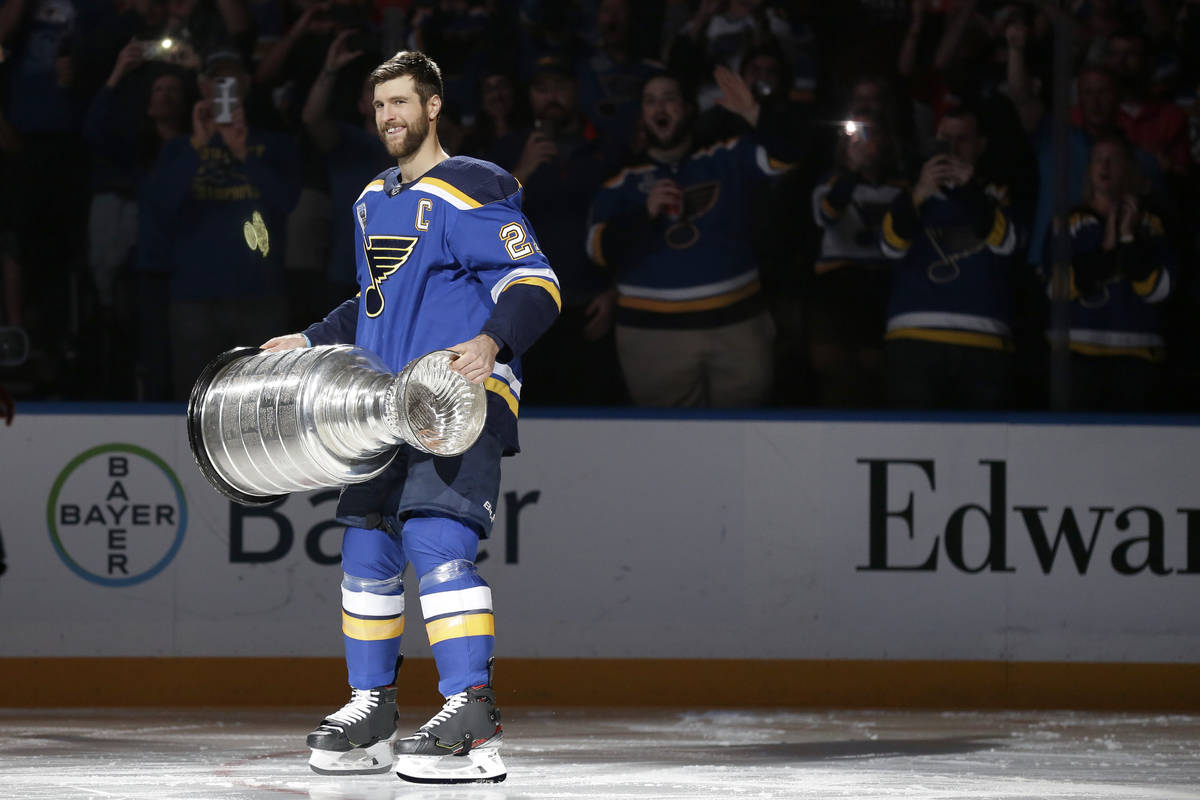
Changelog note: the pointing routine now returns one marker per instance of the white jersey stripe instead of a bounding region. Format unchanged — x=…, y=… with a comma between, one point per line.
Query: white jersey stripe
x=690, y=292
x=442, y=193
x=523, y=272
x=943, y=319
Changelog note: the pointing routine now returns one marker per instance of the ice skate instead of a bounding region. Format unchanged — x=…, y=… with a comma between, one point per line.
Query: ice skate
x=357, y=738
x=461, y=744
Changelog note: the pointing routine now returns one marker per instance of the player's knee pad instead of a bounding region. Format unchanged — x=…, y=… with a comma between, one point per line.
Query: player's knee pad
x=372, y=609
x=456, y=602
x=431, y=541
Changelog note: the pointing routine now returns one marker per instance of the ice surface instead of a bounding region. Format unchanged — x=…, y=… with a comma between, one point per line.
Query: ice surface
x=183, y=754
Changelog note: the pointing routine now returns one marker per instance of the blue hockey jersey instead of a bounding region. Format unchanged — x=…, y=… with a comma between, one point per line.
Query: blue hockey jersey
x=1117, y=295
x=952, y=260
x=441, y=260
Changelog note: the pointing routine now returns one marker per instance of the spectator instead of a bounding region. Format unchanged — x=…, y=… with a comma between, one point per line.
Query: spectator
x=1098, y=107
x=1122, y=270
x=211, y=217
x=352, y=155
x=611, y=77
x=499, y=115
x=692, y=329
x=561, y=162
x=125, y=130
x=849, y=294
x=1158, y=127
x=949, y=336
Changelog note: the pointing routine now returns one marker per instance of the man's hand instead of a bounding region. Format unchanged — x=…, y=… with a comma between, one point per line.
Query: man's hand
x=736, y=95
x=235, y=133
x=339, y=55
x=476, y=358
x=288, y=341
x=665, y=198
x=937, y=172
x=539, y=149
x=203, y=126
x=599, y=315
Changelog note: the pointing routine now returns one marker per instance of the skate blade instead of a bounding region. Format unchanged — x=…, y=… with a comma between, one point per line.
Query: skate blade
x=478, y=766
x=373, y=760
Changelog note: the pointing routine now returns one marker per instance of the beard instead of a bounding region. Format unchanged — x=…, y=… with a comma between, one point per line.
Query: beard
x=414, y=136
x=670, y=141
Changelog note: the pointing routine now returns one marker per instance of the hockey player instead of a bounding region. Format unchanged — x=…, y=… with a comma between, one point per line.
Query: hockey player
x=446, y=259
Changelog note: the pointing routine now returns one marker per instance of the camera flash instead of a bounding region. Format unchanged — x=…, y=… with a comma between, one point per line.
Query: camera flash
x=850, y=127
x=166, y=44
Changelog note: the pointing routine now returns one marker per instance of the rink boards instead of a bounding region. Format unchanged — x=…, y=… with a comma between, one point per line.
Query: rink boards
x=956, y=562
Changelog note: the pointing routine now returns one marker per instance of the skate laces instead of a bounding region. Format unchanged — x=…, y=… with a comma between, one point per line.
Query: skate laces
x=362, y=703
x=453, y=703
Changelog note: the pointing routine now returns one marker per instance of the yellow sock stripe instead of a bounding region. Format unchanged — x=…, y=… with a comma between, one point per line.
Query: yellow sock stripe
x=542, y=282
x=459, y=626
x=1151, y=354
x=371, y=630
x=501, y=388
x=1146, y=286
x=891, y=237
x=999, y=228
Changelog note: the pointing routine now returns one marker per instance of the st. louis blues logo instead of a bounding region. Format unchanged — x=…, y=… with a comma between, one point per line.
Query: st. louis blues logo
x=385, y=255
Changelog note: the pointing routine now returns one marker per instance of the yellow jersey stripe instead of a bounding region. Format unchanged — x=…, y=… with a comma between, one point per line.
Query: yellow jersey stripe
x=501, y=388
x=542, y=282
x=890, y=236
x=1152, y=354
x=999, y=229
x=822, y=267
x=597, y=240
x=446, y=187
x=962, y=338
x=828, y=210
x=371, y=630
x=1146, y=286
x=461, y=626
x=684, y=306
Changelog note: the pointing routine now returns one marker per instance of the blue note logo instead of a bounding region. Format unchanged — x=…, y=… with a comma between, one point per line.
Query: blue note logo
x=117, y=515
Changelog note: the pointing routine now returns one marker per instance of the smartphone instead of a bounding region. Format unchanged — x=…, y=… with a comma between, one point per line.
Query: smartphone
x=225, y=100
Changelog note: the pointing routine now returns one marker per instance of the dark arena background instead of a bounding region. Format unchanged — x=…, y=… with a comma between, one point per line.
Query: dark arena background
x=856, y=463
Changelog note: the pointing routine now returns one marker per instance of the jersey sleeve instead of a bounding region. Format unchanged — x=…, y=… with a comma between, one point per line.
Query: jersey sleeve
x=496, y=242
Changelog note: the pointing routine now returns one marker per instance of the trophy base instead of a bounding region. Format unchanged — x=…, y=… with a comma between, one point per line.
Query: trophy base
x=196, y=440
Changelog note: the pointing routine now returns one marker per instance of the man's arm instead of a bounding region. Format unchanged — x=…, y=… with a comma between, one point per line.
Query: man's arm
x=338, y=327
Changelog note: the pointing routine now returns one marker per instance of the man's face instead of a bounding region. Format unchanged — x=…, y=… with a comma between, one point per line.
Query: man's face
x=763, y=71
x=400, y=117
x=166, y=98
x=664, y=112
x=497, y=95
x=1097, y=100
x=1107, y=169
x=612, y=20
x=1125, y=57
x=962, y=137
x=552, y=97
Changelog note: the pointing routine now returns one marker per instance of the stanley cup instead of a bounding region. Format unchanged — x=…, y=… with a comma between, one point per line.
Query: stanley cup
x=262, y=425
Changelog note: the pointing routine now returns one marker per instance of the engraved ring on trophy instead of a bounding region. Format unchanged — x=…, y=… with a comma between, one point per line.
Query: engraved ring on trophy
x=262, y=425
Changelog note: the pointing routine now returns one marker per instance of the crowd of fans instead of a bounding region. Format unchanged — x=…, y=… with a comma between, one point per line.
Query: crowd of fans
x=748, y=202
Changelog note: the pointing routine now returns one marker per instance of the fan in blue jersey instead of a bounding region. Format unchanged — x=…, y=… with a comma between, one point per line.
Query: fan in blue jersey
x=447, y=260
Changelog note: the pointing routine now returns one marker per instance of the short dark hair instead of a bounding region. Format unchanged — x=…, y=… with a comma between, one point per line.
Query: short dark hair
x=426, y=75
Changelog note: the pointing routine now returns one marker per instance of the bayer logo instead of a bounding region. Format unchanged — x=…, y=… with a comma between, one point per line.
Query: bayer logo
x=117, y=515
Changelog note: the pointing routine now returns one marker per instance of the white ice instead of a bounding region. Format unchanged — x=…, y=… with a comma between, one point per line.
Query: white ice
x=183, y=754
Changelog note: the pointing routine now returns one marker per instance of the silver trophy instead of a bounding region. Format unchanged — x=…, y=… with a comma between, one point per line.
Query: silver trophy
x=262, y=425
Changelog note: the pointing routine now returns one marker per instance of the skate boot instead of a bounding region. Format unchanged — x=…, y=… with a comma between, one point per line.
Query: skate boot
x=461, y=744
x=356, y=739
